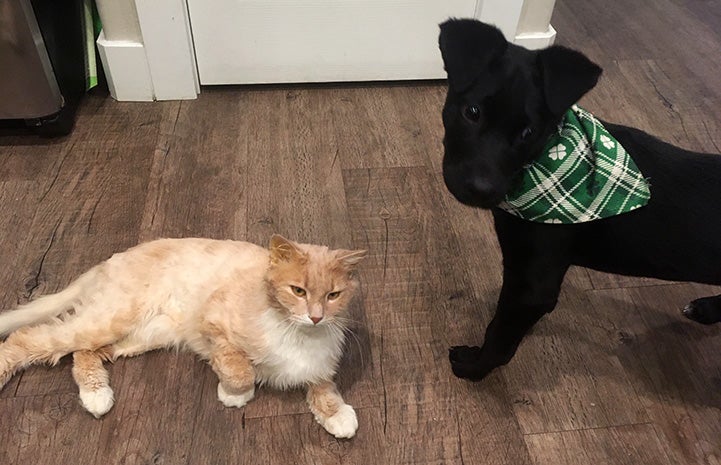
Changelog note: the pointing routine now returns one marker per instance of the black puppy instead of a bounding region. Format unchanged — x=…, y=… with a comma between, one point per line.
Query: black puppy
x=503, y=103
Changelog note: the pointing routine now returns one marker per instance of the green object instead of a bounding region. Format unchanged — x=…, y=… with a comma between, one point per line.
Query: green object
x=92, y=27
x=584, y=174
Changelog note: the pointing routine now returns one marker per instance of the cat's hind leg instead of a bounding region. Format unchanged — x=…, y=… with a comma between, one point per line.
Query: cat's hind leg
x=236, y=376
x=329, y=409
x=93, y=380
x=49, y=342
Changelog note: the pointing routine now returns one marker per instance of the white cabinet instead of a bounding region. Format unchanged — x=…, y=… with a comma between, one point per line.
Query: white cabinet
x=261, y=41
x=186, y=43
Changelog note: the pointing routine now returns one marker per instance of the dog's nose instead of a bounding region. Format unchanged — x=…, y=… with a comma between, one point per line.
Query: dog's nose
x=475, y=187
x=482, y=188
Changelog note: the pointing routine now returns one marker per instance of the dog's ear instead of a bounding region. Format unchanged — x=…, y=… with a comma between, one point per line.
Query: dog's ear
x=468, y=47
x=567, y=75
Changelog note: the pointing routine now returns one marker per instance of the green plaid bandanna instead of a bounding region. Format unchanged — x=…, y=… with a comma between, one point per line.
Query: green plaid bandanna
x=583, y=175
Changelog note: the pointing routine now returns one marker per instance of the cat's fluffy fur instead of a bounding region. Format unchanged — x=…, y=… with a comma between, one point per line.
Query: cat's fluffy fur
x=266, y=316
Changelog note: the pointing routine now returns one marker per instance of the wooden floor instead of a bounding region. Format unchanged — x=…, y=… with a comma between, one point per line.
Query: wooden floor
x=614, y=376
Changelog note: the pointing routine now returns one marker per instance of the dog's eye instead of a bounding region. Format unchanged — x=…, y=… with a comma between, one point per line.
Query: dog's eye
x=472, y=113
x=526, y=133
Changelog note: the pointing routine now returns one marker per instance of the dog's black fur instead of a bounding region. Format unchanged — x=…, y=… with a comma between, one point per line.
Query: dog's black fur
x=503, y=102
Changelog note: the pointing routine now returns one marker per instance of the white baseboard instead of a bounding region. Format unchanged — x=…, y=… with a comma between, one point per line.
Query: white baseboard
x=536, y=40
x=126, y=69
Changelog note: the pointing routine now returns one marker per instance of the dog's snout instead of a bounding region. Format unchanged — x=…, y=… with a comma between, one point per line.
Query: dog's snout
x=482, y=187
x=476, y=191
x=482, y=192
x=474, y=181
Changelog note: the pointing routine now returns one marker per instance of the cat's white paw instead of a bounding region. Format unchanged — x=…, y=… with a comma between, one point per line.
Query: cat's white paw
x=230, y=400
x=5, y=371
x=343, y=424
x=97, y=402
x=5, y=376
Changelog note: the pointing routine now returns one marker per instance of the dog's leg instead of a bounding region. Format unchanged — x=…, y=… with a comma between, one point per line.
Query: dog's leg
x=535, y=262
x=524, y=300
x=706, y=310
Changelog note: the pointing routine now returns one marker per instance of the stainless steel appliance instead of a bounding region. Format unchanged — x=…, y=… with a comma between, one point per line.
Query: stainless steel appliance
x=42, y=66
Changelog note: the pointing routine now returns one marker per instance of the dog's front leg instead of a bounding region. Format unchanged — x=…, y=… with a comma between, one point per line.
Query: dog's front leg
x=536, y=258
x=706, y=310
x=522, y=303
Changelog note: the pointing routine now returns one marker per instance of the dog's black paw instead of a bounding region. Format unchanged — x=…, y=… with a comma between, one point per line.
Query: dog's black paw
x=464, y=354
x=706, y=311
x=466, y=363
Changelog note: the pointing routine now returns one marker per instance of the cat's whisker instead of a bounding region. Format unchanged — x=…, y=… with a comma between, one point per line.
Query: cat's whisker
x=289, y=328
x=346, y=330
x=346, y=321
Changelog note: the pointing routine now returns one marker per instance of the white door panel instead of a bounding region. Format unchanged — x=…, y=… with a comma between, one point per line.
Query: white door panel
x=254, y=41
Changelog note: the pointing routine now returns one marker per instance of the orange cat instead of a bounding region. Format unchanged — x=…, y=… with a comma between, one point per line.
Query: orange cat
x=257, y=315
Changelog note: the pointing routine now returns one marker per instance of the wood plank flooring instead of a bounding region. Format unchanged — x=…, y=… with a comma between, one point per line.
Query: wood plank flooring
x=614, y=376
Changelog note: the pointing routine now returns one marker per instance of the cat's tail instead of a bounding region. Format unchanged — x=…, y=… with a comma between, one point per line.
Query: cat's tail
x=45, y=307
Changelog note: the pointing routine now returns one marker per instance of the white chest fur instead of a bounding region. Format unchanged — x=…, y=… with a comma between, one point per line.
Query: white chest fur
x=297, y=355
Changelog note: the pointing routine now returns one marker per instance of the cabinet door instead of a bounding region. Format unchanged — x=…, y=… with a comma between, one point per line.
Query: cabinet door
x=265, y=41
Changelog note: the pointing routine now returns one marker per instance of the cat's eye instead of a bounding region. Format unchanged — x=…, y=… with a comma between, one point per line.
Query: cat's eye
x=298, y=291
x=472, y=113
x=333, y=295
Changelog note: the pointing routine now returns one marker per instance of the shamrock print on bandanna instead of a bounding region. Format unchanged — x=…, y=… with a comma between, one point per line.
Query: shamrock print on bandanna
x=607, y=141
x=558, y=152
x=584, y=174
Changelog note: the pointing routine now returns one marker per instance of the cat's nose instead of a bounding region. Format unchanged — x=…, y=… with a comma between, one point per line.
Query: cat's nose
x=316, y=319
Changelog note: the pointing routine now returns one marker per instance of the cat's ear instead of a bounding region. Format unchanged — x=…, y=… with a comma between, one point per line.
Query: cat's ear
x=283, y=250
x=351, y=258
